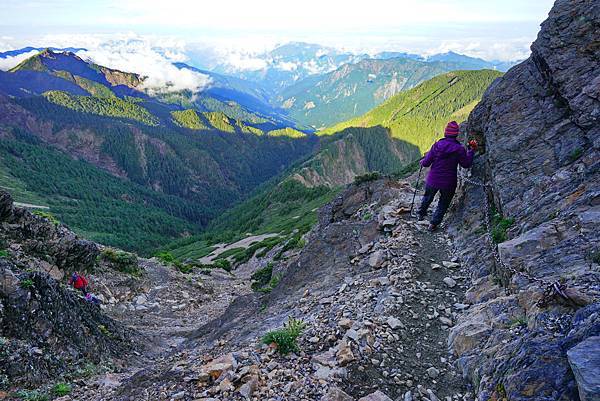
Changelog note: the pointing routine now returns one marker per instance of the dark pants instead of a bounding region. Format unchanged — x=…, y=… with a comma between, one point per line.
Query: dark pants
x=446, y=196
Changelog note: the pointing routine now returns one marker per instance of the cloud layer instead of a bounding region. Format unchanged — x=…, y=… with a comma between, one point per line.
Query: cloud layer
x=154, y=62
x=9, y=62
x=150, y=57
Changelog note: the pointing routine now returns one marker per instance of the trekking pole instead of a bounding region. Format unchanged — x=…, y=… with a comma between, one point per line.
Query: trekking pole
x=412, y=205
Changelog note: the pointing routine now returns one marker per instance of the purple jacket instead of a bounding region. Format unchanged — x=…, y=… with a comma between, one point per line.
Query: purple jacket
x=443, y=157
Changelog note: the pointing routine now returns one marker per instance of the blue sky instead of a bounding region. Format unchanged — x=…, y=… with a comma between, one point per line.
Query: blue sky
x=490, y=29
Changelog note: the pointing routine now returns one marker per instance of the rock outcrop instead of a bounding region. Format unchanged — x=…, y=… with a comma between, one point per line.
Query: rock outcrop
x=540, y=124
x=46, y=330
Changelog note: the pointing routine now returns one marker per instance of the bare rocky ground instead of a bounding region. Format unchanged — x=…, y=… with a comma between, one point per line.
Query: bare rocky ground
x=377, y=316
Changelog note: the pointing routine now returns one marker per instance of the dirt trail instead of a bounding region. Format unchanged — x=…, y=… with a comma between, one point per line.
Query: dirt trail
x=164, y=308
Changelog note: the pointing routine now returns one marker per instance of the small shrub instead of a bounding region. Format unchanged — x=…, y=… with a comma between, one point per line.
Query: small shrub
x=500, y=225
x=372, y=176
x=47, y=215
x=165, y=257
x=120, y=260
x=367, y=216
x=223, y=264
x=61, y=389
x=286, y=338
x=501, y=392
x=26, y=283
x=519, y=321
x=104, y=330
x=31, y=395
x=271, y=284
x=261, y=277
x=3, y=253
x=185, y=268
x=575, y=154
x=88, y=370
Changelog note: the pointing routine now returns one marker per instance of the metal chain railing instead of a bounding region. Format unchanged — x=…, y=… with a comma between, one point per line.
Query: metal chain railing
x=550, y=289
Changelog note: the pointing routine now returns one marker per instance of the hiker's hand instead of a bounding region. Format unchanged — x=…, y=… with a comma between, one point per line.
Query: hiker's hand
x=473, y=144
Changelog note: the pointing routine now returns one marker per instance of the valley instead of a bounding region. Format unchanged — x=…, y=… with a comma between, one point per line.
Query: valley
x=245, y=224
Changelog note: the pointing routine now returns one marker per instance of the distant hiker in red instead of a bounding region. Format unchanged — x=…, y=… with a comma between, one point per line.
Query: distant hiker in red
x=79, y=283
x=444, y=157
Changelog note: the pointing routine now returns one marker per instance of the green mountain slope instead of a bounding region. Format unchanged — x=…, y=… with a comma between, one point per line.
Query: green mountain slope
x=99, y=206
x=354, y=89
x=122, y=163
x=388, y=139
x=287, y=206
x=70, y=81
x=419, y=115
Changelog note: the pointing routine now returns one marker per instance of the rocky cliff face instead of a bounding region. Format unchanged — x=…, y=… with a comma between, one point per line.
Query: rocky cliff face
x=46, y=330
x=541, y=127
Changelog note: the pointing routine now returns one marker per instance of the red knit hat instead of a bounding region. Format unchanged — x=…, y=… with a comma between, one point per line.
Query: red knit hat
x=451, y=129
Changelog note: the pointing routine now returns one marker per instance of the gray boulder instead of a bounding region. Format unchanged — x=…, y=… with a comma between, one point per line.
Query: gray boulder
x=584, y=359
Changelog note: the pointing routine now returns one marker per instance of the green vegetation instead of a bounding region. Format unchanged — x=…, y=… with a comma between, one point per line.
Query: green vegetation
x=188, y=119
x=48, y=216
x=122, y=261
x=111, y=107
x=419, y=115
x=407, y=170
x=31, y=395
x=500, y=225
x=26, y=283
x=61, y=389
x=519, y=321
x=222, y=264
x=262, y=276
x=575, y=154
x=286, y=338
x=3, y=253
x=85, y=371
x=288, y=208
x=289, y=132
x=165, y=257
x=94, y=88
x=372, y=176
x=32, y=63
x=97, y=205
x=355, y=89
x=220, y=121
x=104, y=330
x=263, y=279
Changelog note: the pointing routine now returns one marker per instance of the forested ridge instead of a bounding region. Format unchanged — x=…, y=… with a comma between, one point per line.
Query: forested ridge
x=419, y=115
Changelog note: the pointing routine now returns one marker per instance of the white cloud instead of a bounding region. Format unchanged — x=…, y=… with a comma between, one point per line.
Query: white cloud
x=240, y=61
x=11, y=61
x=286, y=66
x=152, y=57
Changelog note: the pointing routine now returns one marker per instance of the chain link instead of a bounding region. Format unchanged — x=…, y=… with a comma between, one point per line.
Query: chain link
x=549, y=289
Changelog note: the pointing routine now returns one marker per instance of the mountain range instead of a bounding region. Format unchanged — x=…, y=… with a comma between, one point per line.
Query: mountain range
x=289, y=63
x=387, y=139
x=305, y=85
x=155, y=165
x=148, y=169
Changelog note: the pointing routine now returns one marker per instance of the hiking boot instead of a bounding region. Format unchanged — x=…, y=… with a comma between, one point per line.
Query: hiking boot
x=432, y=227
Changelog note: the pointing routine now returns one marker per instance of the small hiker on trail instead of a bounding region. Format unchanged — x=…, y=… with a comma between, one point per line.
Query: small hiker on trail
x=444, y=157
x=79, y=283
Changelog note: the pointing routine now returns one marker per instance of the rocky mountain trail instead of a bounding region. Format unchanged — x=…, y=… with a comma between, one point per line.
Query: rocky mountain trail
x=377, y=293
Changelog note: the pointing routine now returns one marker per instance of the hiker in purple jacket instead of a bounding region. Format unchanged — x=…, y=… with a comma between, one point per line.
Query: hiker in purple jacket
x=443, y=157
